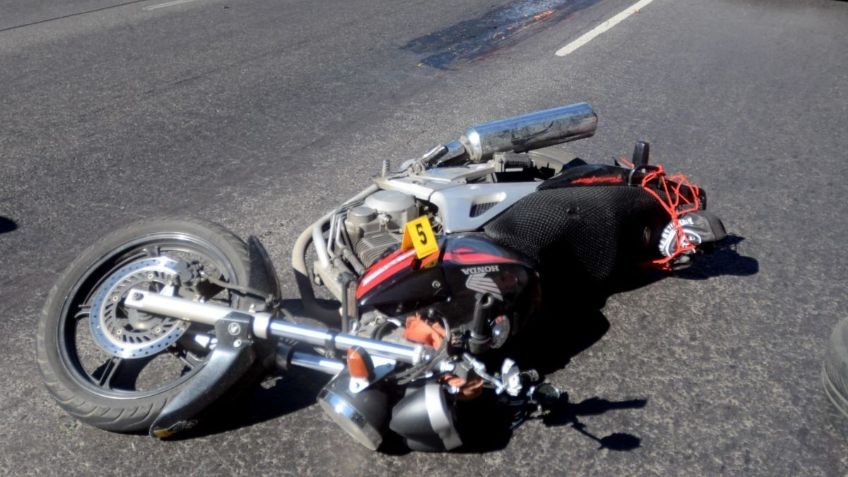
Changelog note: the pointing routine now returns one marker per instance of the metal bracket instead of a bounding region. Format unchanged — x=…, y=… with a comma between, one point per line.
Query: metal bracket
x=382, y=367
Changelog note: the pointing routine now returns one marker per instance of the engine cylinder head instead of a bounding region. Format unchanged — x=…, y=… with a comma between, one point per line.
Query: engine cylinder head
x=399, y=207
x=361, y=215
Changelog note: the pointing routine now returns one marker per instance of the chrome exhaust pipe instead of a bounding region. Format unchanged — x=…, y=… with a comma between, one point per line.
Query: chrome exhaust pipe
x=530, y=131
x=266, y=325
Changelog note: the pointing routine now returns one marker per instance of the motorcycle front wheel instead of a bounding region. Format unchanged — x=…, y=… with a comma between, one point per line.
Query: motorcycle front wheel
x=116, y=368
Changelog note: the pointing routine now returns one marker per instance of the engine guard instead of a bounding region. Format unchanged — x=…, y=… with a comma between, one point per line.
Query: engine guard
x=232, y=358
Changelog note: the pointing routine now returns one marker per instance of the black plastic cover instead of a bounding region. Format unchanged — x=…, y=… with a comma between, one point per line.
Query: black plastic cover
x=582, y=230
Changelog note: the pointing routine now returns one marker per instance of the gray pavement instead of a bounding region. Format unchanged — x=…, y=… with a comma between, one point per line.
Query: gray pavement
x=262, y=115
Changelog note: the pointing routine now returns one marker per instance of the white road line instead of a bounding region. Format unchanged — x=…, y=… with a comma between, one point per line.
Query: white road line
x=167, y=4
x=590, y=35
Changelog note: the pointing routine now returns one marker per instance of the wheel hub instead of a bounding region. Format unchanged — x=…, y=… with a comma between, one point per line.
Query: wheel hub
x=127, y=333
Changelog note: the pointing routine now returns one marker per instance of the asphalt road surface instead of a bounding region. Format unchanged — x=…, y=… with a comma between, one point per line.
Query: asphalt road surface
x=264, y=114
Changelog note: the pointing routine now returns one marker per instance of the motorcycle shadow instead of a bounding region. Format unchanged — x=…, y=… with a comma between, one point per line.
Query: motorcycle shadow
x=275, y=396
x=570, y=322
x=568, y=413
x=278, y=394
x=562, y=330
x=488, y=427
x=724, y=260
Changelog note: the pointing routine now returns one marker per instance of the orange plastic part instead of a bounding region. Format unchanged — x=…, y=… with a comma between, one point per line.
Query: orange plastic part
x=359, y=363
x=468, y=388
x=420, y=331
x=681, y=197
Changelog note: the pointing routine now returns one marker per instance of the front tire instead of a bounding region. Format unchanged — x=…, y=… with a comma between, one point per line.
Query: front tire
x=115, y=368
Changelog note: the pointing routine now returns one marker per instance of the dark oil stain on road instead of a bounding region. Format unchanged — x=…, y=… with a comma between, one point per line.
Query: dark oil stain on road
x=500, y=27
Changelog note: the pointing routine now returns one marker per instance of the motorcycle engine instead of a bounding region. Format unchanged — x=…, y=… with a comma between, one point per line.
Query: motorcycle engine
x=377, y=226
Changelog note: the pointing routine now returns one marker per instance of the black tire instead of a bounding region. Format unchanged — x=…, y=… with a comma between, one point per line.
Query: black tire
x=835, y=375
x=110, y=396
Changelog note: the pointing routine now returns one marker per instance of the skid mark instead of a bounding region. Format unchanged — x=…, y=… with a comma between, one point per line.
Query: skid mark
x=500, y=27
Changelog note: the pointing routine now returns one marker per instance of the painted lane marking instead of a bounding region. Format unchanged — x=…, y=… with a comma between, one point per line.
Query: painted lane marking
x=591, y=34
x=167, y=4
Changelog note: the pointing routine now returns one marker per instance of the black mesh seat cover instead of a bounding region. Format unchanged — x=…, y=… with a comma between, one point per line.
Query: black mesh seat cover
x=582, y=230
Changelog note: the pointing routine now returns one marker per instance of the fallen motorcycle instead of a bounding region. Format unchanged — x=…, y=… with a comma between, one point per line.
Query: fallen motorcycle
x=435, y=266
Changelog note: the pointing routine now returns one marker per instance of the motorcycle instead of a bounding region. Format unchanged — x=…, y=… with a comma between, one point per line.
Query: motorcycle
x=434, y=269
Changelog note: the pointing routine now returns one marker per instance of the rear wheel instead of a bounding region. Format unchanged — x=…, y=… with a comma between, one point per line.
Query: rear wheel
x=114, y=367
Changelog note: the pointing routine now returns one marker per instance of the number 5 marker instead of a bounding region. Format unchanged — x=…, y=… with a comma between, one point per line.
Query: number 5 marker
x=418, y=234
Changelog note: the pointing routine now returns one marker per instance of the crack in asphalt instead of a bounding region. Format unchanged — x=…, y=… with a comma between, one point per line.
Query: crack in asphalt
x=70, y=15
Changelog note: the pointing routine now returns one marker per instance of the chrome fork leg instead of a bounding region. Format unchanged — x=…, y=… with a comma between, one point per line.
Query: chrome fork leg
x=266, y=325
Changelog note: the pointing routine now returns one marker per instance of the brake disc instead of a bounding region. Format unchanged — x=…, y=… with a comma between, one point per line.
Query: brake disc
x=127, y=333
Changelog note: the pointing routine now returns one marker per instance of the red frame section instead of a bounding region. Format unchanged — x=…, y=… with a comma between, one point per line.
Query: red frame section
x=385, y=268
x=469, y=256
x=399, y=260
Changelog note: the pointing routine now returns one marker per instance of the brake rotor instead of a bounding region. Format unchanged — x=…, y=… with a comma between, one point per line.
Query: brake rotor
x=127, y=333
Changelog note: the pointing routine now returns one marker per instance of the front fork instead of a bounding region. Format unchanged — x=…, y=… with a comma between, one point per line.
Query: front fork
x=233, y=354
x=267, y=326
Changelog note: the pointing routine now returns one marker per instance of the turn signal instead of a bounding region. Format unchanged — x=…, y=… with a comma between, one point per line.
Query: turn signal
x=359, y=364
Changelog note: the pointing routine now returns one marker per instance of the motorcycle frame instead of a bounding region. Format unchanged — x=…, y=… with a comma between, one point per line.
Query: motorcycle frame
x=235, y=330
x=446, y=187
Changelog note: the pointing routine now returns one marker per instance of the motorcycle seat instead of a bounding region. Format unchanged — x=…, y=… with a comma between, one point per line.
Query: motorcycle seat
x=582, y=230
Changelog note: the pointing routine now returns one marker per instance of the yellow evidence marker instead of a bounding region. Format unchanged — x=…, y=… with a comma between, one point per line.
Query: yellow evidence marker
x=418, y=234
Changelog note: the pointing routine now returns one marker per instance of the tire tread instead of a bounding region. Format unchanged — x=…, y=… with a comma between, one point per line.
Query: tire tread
x=835, y=369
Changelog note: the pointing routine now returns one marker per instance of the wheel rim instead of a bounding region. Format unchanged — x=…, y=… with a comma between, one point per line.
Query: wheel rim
x=102, y=372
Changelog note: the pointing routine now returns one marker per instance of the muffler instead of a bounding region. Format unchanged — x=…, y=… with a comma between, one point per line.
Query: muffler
x=530, y=131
